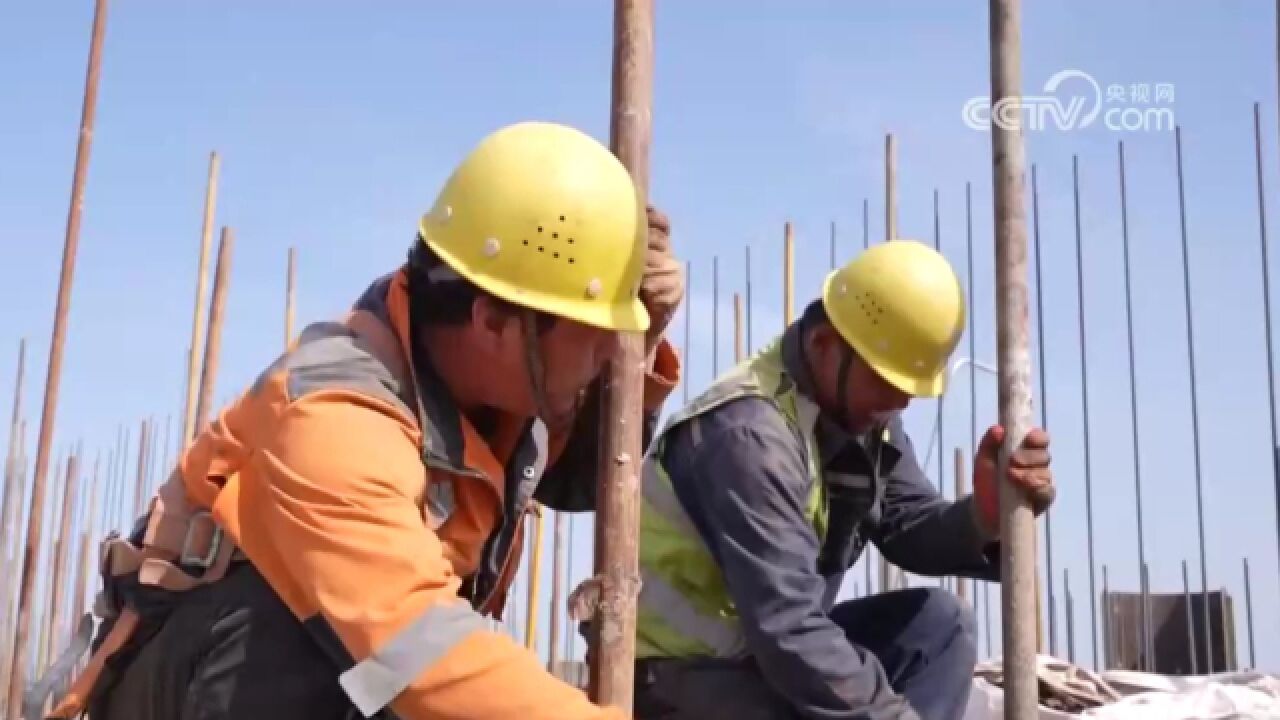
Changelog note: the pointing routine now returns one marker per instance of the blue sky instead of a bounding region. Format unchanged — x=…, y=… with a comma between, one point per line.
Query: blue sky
x=337, y=124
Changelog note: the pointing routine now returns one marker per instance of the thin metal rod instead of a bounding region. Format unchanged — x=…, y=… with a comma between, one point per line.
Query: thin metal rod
x=715, y=316
x=1071, y=616
x=788, y=274
x=1043, y=359
x=557, y=577
x=1191, y=621
x=139, y=489
x=1248, y=613
x=1148, y=635
x=833, y=244
x=961, y=584
x=984, y=602
x=937, y=245
x=1195, y=407
x=62, y=551
x=535, y=580
x=1017, y=523
x=18, y=679
x=568, y=571
x=10, y=515
x=750, y=346
x=688, y=326
x=1133, y=388
x=196, y=349
x=1266, y=310
x=890, y=188
x=212, y=346
x=290, y=297
x=737, y=328
x=1106, y=625
x=1084, y=404
x=617, y=507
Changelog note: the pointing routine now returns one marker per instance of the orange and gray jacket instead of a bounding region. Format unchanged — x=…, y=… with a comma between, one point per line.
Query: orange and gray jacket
x=387, y=523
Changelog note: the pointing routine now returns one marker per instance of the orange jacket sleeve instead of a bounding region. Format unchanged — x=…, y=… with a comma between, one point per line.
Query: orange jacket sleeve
x=328, y=509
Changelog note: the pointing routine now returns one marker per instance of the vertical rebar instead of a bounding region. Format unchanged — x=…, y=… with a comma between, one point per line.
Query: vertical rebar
x=788, y=274
x=1071, y=616
x=890, y=188
x=1248, y=613
x=62, y=551
x=1084, y=404
x=1133, y=385
x=715, y=316
x=737, y=328
x=212, y=346
x=1017, y=523
x=1266, y=310
x=1148, y=635
x=1044, y=407
x=1195, y=408
x=961, y=588
x=535, y=580
x=1191, y=620
x=196, y=349
x=984, y=602
x=866, y=227
x=18, y=679
x=568, y=571
x=289, y=297
x=688, y=325
x=750, y=347
x=557, y=577
x=617, y=507
x=144, y=447
x=833, y=244
x=10, y=514
x=1106, y=624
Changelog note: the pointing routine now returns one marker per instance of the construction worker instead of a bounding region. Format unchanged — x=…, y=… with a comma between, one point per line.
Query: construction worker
x=760, y=494
x=329, y=546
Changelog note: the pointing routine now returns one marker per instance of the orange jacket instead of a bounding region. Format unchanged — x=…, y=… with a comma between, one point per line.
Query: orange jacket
x=317, y=475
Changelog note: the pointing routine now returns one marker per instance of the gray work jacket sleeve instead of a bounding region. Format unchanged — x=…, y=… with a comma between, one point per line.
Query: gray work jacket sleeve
x=746, y=488
x=922, y=532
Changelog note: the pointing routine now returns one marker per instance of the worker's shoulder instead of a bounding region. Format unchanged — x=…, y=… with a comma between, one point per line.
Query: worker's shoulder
x=746, y=420
x=330, y=362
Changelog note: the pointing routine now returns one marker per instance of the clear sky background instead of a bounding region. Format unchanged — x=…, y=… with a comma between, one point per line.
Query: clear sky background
x=338, y=122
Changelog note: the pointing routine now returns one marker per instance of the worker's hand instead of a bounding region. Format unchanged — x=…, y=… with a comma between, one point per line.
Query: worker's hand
x=662, y=288
x=1028, y=471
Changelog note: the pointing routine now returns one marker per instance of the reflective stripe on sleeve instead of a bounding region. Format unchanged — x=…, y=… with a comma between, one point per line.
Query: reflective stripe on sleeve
x=724, y=638
x=374, y=682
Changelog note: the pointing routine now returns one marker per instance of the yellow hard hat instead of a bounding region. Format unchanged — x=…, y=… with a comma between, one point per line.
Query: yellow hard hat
x=545, y=217
x=900, y=306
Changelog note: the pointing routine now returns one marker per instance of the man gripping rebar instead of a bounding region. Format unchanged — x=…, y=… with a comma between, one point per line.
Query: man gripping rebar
x=760, y=494
x=331, y=545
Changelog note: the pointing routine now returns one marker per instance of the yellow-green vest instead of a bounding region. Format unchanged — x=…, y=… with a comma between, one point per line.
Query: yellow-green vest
x=684, y=607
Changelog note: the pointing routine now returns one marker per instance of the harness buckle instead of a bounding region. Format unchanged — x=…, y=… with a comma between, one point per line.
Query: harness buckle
x=201, y=529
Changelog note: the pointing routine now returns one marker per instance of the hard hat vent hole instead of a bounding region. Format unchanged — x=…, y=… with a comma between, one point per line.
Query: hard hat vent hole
x=555, y=236
x=570, y=241
x=561, y=218
x=570, y=261
x=555, y=255
x=539, y=228
x=540, y=248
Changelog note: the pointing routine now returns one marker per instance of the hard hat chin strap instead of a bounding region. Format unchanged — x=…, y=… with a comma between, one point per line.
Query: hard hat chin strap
x=842, y=385
x=536, y=371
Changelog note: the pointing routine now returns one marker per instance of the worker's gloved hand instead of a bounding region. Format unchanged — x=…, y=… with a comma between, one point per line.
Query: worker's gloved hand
x=1028, y=470
x=662, y=288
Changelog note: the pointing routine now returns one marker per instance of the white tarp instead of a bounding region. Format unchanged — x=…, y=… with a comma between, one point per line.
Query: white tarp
x=1244, y=695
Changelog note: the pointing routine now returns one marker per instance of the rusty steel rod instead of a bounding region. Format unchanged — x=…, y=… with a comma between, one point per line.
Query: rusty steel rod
x=1106, y=626
x=981, y=594
x=196, y=349
x=618, y=511
x=62, y=554
x=140, y=486
x=937, y=245
x=87, y=533
x=688, y=326
x=715, y=316
x=1044, y=408
x=747, y=272
x=8, y=524
x=1070, y=615
x=1248, y=613
x=212, y=346
x=18, y=678
x=1084, y=404
x=1017, y=524
x=890, y=188
x=1144, y=614
x=557, y=593
x=788, y=274
x=535, y=578
x=737, y=329
x=1148, y=636
x=289, y=297
x=1195, y=409
x=866, y=224
x=1191, y=620
x=961, y=588
x=1266, y=310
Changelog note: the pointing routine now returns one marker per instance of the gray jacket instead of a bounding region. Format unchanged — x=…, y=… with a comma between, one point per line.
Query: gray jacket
x=746, y=487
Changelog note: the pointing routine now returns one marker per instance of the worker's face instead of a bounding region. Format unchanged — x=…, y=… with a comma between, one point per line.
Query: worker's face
x=869, y=400
x=572, y=356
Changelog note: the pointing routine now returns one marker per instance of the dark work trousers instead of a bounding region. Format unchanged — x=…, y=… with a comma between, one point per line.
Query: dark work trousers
x=923, y=637
x=231, y=650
